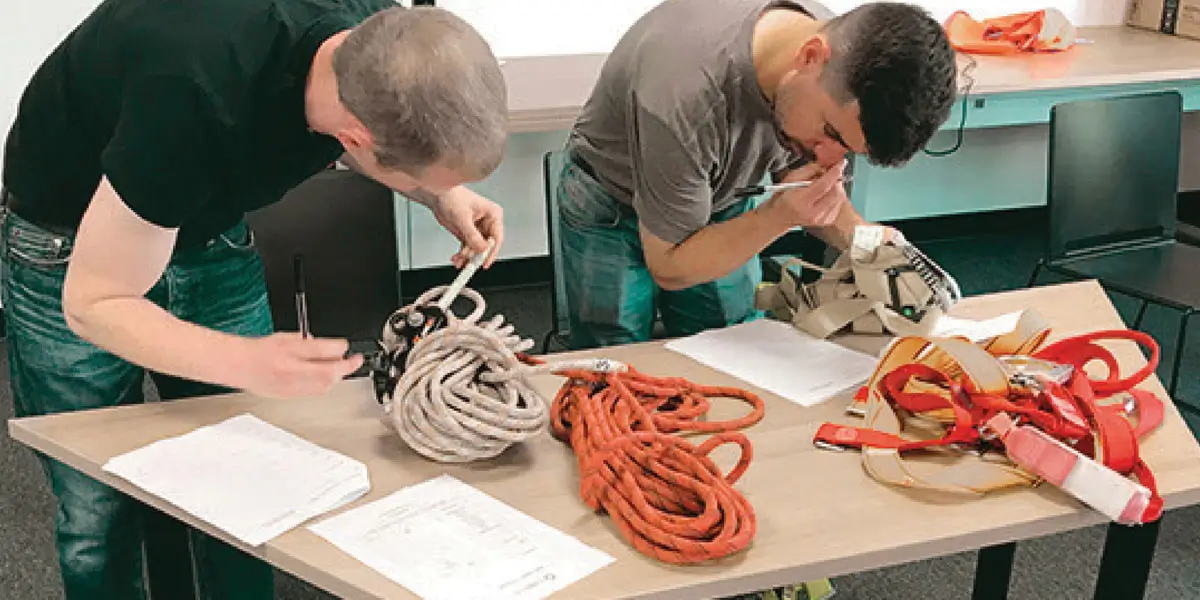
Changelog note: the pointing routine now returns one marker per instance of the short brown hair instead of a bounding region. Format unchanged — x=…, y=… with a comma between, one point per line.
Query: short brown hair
x=428, y=88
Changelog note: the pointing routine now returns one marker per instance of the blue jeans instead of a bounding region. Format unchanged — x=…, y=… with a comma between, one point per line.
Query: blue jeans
x=612, y=297
x=104, y=537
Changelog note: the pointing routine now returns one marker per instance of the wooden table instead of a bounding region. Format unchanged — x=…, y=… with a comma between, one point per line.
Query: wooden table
x=819, y=514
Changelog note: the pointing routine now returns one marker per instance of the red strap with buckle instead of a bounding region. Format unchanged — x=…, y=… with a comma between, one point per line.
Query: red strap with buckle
x=1090, y=417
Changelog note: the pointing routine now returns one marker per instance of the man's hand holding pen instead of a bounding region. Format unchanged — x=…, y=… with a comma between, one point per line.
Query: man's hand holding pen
x=815, y=204
x=290, y=364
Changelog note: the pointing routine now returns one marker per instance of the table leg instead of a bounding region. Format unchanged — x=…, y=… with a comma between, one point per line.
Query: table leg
x=1125, y=564
x=993, y=569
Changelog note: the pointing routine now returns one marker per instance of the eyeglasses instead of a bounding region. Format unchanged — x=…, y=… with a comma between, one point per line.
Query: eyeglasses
x=803, y=155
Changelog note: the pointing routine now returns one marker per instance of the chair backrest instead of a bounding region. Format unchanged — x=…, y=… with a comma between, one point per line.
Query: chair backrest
x=1113, y=172
x=552, y=166
x=344, y=225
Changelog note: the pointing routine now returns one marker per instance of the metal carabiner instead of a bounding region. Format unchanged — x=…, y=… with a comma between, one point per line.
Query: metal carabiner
x=1033, y=373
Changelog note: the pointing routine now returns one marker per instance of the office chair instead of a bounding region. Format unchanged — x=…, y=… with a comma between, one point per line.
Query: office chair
x=552, y=166
x=1113, y=180
x=344, y=225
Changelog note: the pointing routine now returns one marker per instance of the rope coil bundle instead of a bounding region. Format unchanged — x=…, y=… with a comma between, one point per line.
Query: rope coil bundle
x=666, y=495
x=461, y=393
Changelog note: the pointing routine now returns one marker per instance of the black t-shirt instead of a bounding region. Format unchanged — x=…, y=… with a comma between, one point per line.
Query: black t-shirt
x=194, y=109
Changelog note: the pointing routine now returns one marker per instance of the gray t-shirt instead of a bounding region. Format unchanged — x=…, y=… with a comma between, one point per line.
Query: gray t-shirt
x=677, y=119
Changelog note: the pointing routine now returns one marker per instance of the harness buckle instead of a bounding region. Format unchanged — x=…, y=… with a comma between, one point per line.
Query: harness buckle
x=822, y=444
x=1035, y=373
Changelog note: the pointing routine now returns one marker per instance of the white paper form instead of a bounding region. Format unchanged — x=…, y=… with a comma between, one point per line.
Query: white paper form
x=445, y=540
x=778, y=357
x=245, y=477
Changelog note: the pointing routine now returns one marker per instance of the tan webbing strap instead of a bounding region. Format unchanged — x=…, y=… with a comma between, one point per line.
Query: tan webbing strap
x=1029, y=334
x=1025, y=338
x=856, y=293
x=831, y=304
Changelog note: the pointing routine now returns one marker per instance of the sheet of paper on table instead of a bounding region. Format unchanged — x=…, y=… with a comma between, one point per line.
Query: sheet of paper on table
x=777, y=357
x=244, y=476
x=443, y=539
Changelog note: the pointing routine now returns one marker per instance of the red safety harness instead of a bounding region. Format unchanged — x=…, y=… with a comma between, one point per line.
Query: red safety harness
x=1035, y=404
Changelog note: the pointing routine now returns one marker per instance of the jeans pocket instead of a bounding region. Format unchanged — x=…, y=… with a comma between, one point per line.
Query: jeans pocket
x=31, y=246
x=583, y=203
x=239, y=237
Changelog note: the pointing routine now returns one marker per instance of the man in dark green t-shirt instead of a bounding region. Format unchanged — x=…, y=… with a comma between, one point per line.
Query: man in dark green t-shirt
x=138, y=146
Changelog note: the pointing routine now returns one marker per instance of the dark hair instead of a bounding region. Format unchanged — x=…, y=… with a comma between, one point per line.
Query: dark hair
x=896, y=60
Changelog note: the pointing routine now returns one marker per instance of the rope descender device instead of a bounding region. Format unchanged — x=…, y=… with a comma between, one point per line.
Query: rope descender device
x=454, y=387
x=1017, y=411
x=874, y=287
x=405, y=328
x=457, y=389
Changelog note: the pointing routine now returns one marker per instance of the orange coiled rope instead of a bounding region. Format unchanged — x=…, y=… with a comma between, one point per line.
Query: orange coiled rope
x=667, y=497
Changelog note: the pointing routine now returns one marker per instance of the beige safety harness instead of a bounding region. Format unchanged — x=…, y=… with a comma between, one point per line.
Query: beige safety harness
x=874, y=287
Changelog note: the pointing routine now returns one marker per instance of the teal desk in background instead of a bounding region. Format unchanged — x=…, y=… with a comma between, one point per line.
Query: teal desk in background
x=1011, y=96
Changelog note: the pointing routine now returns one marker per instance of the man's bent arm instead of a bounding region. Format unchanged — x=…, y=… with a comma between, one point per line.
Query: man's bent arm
x=117, y=258
x=712, y=252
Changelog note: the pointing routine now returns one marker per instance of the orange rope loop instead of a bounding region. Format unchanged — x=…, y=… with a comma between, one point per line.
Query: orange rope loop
x=666, y=495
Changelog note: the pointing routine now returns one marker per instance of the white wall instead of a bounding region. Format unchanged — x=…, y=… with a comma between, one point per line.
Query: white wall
x=549, y=27
x=29, y=30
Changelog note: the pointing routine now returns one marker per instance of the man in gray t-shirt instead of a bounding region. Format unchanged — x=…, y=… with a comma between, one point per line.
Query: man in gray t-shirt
x=702, y=97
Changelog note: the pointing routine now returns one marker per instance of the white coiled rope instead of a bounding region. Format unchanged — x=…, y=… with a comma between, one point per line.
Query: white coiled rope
x=464, y=394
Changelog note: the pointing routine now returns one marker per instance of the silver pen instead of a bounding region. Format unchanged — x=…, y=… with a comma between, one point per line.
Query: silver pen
x=301, y=300
x=754, y=190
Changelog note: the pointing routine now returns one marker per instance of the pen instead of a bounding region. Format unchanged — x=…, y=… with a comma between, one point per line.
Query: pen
x=301, y=301
x=755, y=190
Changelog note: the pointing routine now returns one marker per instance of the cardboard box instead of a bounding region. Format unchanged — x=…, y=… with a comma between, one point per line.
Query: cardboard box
x=1175, y=17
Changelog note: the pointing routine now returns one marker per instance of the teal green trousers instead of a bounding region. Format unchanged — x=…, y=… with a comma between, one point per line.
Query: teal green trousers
x=105, y=538
x=612, y=298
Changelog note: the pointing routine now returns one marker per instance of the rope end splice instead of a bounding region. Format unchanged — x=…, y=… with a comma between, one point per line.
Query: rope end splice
x=667, y=497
